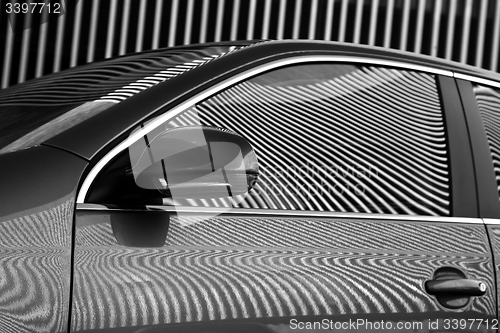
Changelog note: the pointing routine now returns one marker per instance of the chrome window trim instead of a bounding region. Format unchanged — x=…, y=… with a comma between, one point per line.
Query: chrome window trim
x=89, y=179
x=475, y=79
x=290, y=213
x=491, y=221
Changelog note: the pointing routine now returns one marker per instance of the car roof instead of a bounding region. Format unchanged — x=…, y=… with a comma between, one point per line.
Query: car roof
x=98, y=79
x=410, y=58
x=107, y=79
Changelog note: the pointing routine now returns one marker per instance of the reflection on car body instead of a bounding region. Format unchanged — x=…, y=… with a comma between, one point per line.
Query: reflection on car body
x=275, y=186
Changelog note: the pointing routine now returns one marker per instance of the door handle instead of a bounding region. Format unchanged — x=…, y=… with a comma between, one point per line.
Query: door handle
x=452, y=289
x=463, y=287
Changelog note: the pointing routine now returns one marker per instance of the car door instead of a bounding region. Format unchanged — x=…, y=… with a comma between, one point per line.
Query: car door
x=481, y=99
x=363, y=215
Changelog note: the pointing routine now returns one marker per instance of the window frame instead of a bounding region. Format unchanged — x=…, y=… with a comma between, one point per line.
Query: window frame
x=446, y=95
x=487, y=193
x=464, y=200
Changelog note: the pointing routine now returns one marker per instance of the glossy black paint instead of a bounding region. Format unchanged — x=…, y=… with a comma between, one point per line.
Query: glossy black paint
x=282, y=325
x=494, y=238
x=89, y=138
x=488, y=203
x=488, y=200
x=38, y=186
x=463, y=185
x=35, y=178
x=245, y=269
x=37, y=191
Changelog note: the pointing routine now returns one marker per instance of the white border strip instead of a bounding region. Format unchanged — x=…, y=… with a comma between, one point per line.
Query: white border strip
x=223, y=85
x=477, y=80
x=490, y=221
x=293, y=213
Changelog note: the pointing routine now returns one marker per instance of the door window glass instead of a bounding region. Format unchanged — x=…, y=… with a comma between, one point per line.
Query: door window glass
x=338, y=138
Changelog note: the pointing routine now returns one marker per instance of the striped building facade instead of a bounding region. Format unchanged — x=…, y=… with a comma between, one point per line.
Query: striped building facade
x=466, y=31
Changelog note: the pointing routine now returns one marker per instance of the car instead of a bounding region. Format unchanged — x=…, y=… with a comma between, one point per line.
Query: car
x=255, y=186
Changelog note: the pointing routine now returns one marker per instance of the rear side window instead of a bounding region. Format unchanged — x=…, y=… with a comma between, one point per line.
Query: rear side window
x=488, y=101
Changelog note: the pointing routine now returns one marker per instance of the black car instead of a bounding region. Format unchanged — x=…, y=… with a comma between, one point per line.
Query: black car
x=263, y=186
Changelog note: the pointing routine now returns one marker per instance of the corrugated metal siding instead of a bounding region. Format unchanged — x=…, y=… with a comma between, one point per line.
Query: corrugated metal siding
x=462, y=30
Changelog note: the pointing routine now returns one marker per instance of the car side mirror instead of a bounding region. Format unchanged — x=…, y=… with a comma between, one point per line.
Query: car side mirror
x=166, y=166
x=195, y=162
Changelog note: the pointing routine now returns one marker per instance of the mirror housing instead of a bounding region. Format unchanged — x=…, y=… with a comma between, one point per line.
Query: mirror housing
x=194, y=162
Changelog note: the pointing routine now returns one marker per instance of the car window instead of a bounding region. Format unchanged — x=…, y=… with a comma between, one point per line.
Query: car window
x=488, y=101
x=338, y=138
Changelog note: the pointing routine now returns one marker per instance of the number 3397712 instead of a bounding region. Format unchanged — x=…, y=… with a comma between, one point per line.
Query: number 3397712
x=33, y=8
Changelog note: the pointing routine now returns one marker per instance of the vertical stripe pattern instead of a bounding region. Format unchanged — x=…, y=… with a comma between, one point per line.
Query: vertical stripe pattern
x=462, y=30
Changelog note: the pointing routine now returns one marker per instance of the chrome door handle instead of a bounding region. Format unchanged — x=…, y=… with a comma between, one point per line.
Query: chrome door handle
x=464, y=287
